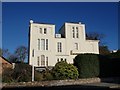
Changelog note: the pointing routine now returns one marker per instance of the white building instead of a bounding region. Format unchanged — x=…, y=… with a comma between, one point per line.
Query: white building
x=47, y=48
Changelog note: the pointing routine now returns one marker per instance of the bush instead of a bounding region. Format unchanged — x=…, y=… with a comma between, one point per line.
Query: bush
x=109, y=65
x=87, y=64
x=7, y=75
x=38, y=76
x=63, y=70
x=47, y=75
x=22, y=72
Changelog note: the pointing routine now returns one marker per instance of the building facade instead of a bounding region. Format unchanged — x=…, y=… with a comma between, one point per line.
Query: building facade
x=47, y=48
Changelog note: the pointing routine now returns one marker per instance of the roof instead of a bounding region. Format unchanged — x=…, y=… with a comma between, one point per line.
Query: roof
x=43, y=23
x=5, y=60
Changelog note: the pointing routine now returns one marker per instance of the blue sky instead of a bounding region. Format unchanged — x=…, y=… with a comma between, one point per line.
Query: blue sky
x=98, y=17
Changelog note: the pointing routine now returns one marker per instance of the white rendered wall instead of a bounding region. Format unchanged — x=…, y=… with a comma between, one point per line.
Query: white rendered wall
x=84, y=46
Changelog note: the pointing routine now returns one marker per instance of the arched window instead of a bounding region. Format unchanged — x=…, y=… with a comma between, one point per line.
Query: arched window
x=42, y=60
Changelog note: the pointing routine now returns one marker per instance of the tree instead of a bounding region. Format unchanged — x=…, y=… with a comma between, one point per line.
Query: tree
x=5, y=53
x=103, y=50
x=21, y=52
x=13, y=58
x=0, y=52
x=95, y=36
x=63, y=70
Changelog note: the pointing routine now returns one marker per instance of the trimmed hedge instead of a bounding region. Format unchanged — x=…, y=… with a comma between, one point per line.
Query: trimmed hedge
x=87, y=64
x=109, y=66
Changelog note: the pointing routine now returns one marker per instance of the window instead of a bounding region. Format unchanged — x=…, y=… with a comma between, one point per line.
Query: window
x=46, y=44
x=77, y=33
x=76, y=46
x=61, y=59
x=57, y=59
x=59, y=46
x=45, y=30
x=41, y=30
x=38, y=61
x=46, y=61
x=73, y=32
x=33, y=53
x=42, y=44
x=42, y=60
x=38, y=44
x=65, y=59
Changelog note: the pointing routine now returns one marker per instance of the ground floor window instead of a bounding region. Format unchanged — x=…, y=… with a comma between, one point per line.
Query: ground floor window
x=42, y=60
x=46, y=61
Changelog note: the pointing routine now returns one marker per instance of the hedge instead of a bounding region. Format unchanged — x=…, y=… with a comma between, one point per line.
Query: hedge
x=87, y=64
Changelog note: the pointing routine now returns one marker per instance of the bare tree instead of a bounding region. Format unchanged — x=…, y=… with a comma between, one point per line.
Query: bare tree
x=21, y=52
x=13, y=58
x=0, y=52
x=5, y=53
x=95, y=36
x=98, y=36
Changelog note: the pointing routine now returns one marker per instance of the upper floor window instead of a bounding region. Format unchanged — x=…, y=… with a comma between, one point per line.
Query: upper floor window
x=40, y=30
x=45, y=30
x=46, y=44
x=59, y=46
x=38, y=44
x=77, y=32
x=73, y=32
x=33, y=53
x=76, y=46
x=42, y=44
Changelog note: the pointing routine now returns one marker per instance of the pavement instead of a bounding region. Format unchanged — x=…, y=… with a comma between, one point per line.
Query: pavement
x=92, y=86
x=102, y=84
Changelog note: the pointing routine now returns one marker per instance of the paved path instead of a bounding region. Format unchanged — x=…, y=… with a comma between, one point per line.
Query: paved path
x=110, y=85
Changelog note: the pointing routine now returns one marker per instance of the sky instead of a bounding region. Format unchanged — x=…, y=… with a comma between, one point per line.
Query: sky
x=98, y=17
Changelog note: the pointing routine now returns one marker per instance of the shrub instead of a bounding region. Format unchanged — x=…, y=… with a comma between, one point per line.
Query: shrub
x=38, y=76
x=47, y=75
x=7, y=75
x=63, y=70
x=22, y=72
x=87, y=64
x=109, y=65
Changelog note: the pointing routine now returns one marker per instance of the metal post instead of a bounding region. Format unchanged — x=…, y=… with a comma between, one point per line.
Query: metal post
x=32, y=72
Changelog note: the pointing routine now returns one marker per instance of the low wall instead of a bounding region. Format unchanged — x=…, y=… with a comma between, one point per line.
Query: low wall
x=53, y=83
